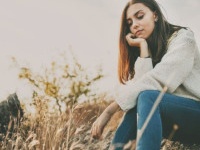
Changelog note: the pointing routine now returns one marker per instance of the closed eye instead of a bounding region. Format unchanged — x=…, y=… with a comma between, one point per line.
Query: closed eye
x=140, y=17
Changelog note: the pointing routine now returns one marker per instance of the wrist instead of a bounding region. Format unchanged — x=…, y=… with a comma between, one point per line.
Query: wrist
x=144, y=52
x=107, y=114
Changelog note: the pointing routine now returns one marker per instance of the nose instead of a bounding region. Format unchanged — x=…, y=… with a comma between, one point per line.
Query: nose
x=135, y=25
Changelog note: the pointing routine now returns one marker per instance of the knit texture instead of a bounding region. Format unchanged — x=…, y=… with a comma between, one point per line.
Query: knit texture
x=179, y=70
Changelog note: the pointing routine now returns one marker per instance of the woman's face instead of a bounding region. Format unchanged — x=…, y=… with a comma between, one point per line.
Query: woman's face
x=141, y=20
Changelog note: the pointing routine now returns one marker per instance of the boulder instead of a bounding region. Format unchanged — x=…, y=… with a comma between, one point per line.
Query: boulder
x=10, y=114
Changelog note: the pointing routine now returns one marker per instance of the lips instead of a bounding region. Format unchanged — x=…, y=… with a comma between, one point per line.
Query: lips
x=138, y=32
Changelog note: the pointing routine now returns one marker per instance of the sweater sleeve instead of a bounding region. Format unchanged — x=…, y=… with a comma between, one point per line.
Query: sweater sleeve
x=177, y=63
x=142, y=66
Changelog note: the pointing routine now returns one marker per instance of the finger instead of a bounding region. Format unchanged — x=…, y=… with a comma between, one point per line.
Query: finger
x=94, y=135
x=101, y=137
x=96, y=132
x=129, y=39
x=130, y=35
x=99, y=132
x=93, y=131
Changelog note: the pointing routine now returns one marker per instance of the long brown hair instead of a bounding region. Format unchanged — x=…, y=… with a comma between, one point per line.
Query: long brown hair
x=157, y=42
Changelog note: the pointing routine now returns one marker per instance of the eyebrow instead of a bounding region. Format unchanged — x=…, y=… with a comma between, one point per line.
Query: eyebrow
x=136, y=13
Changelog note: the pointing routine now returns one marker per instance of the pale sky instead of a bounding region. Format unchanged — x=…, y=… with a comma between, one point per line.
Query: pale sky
x=34, y=31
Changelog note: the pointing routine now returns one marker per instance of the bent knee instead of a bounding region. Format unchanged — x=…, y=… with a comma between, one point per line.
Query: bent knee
x=148, y=96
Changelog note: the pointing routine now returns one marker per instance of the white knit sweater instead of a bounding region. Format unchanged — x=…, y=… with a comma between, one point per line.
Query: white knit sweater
x=179, y=69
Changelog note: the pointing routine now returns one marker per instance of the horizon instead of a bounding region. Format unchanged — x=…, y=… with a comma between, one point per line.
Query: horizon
x=35, y=31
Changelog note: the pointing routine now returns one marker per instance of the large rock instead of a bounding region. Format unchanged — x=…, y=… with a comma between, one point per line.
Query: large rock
x=10, y=113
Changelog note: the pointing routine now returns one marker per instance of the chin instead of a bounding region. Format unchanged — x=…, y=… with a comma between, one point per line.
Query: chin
x=141, y=36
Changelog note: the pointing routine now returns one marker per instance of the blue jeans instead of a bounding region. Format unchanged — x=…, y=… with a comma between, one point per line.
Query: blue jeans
x=172, y=110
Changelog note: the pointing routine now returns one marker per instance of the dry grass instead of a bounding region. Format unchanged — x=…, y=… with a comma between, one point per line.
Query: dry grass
x=68, y=131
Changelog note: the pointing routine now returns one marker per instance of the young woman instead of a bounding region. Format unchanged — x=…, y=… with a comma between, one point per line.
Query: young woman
x=150, y=51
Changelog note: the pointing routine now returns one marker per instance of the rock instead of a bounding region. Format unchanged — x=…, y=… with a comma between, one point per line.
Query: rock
x=10, y=114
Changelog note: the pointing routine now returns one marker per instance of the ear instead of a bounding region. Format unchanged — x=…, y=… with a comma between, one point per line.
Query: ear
x=155, y=16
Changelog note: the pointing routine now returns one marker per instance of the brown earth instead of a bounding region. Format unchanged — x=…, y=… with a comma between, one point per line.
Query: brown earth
x=90, y=112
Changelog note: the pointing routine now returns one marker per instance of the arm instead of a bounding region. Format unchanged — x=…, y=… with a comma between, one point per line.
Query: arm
x=177, y=63
x=143, y=64
x=102, y=120
x=138, y=42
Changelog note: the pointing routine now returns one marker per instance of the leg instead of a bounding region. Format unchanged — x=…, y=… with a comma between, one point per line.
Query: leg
x=126, y=131
x=172, y=110
x=152, y=135
x=183, y=112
